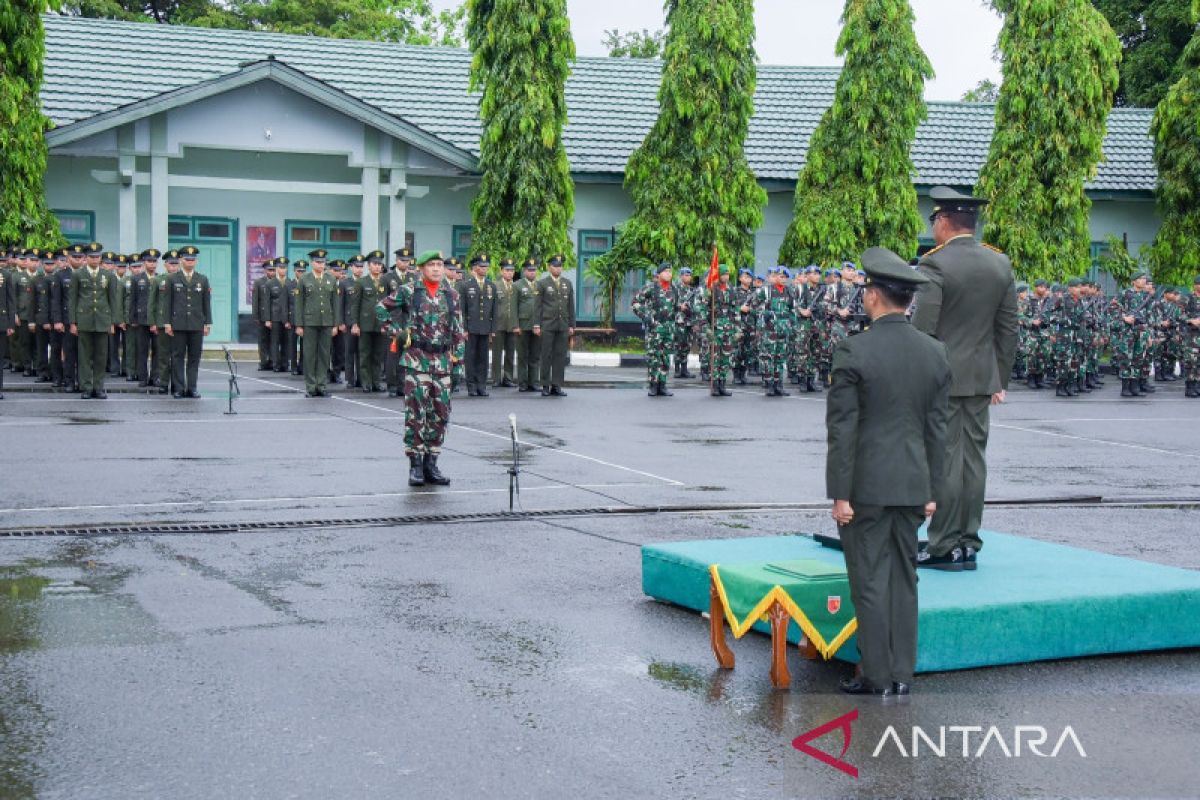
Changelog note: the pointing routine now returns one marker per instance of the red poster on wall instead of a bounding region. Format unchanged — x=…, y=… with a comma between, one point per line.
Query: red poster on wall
x=260, y=248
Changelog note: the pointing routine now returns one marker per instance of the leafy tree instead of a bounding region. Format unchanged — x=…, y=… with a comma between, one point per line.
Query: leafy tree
x=986, y=91
x=24, y=217
x=634, y=44
x=689, y=179
x=405, y=21
x=1060, y=71
x=1118, y=261
x=1153, y=34
x=1175, y=254
x=856, y=189
x=522, y=56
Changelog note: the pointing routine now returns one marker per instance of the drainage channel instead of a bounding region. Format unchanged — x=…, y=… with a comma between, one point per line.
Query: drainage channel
x=171, y=528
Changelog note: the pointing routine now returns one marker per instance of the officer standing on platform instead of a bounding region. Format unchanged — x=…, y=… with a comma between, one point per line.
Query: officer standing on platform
x=970, y=305
x=95, y=312
x=886, y=427
x=504, y=341
x=529, y=351
x=318, y=315
x=554, y=324
x=478, y=296
x=188, y=319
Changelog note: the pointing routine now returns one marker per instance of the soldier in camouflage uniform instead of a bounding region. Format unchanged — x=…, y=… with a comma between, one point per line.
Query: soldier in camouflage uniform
x=1132, y=340
x=1065, y=318
x=747, y=349
x=1021, y=364
x=776, y=323
x=1094, y=337
x=458, y=368
x=425, y=316
x=722, y=304
x=1170, y=315
x=1038, y=357
x=1190, y=350
x=657, y=305
x=682, y=336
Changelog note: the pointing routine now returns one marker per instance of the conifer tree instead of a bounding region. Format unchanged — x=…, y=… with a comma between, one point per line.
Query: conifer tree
x=24, y=217
x=856, y=188
x=689, y=179
x=1175, y=255
x=1061, y=63
x=522, y=56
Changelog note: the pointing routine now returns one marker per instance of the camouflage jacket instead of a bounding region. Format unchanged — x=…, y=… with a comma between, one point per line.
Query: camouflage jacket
x=656, y=306
x=428, y=328
x=727, y=301
x=776, y=310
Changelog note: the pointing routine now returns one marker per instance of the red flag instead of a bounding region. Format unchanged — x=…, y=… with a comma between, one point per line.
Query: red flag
x=714, y=270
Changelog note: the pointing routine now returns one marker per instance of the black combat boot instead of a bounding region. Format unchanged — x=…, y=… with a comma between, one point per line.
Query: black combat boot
x=779, y=392
x=432, y=473
x=652, y=391
x=416, y=471
x=1145, y=387
x=715, y=390
x=1081, y=387
x=1158, y=373
x=1032, y=381
x=662, y=390
x=724, y=392
x=739, y=376
x=683, y=371
x=770, y=388
x=678, y=366
x=1061, y=390
x=1188, y=387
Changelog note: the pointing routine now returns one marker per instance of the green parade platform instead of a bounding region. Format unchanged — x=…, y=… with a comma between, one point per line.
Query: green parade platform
x=1028, y=601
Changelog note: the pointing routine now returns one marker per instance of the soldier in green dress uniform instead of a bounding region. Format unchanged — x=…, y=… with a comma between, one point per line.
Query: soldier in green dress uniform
x=95, y=312
x=529, y=351
x=365, y=325
x=187, y=319
x=504, y=341
x=554, y=323
x=318, y=315
x=8, y=319
x=886, y=426
x=393, y=279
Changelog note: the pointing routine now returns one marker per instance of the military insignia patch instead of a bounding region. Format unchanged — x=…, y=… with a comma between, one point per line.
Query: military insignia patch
x=833, y=603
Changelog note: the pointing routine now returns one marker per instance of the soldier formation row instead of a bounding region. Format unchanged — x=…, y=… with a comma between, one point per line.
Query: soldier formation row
x=516, y=328
x=1064, y=330
x=75, y=314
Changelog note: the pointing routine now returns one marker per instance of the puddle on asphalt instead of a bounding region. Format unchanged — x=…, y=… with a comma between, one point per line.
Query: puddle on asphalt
x=87, y=421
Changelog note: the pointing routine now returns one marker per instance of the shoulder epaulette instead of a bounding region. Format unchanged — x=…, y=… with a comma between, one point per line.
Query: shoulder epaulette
x=992, y=248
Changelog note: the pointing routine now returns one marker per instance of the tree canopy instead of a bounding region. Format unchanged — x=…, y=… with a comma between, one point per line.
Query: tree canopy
x=405, y=21
x=24, y=217
x=1153, y=34
x=1060, y=72
x=986, y=91
x=1175, y=254
x=522, y=57
x=634, y=44
x=689, y=179
x=856, y=188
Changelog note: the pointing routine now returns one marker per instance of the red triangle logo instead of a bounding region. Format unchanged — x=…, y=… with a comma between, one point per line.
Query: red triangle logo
x=842, y=723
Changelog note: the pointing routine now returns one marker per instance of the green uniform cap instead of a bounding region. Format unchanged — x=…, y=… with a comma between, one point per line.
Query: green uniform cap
x=1022, y=287
x=1141, y=273
x=885, y=268
x=1074, y=282
x=429, y=255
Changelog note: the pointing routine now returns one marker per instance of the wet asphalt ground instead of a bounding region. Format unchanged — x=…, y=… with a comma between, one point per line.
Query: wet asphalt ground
x=519, y=658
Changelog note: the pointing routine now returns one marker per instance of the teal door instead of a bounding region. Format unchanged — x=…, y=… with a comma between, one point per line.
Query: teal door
x=216, y=238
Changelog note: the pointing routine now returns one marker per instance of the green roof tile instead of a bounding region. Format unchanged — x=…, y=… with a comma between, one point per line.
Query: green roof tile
x=94, y=66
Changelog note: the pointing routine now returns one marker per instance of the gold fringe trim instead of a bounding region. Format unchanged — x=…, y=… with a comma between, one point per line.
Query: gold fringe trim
x=759, y=614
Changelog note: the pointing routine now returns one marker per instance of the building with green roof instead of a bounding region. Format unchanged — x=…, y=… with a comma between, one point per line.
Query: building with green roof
x=251, y=144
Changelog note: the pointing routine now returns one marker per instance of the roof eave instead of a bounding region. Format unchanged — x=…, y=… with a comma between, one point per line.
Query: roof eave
x=285, y=75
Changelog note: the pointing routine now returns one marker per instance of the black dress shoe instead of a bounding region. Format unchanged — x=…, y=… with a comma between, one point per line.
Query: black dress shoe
x=863, y=686
x=100, y=395
x=557, y=391
x=367, y=390
x=545, y=391
x=310, y=394
x=482, y=391
x=970, y=558
x=527, y=389
x=393, y=393
x=194, y=394
x=179, y=395
x=950, y=562
x=163, y=390
x=85, y=396
x=901, y=689
x=506, y=384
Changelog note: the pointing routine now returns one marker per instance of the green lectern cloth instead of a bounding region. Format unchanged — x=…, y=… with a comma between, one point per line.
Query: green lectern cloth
x=814, y=593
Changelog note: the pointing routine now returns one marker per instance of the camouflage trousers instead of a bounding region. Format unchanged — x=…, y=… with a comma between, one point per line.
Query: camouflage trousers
x=723, y=348
x=1039, y=356
x=1131, y=348
x=660, y=341
x=802, y=359
x=1068, y=353
x=702, y=336
x=681, y=341
x=1190, y=353
x=773, y=353
x=1021, y=362
x=426, y=412
x=746, y=355
x=1170, y=351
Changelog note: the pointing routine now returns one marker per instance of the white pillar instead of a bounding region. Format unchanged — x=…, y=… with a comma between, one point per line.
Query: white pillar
x=127, y=203
x=397, y=211
x=159, y=207
x=370, y=208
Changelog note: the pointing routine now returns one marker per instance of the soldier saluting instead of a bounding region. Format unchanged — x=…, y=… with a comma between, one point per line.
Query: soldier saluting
x=426, y=319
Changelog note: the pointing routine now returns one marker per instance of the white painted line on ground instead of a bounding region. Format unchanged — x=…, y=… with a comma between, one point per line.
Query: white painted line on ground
x=529, y=444
x=326, y=497
x=1096, y=441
